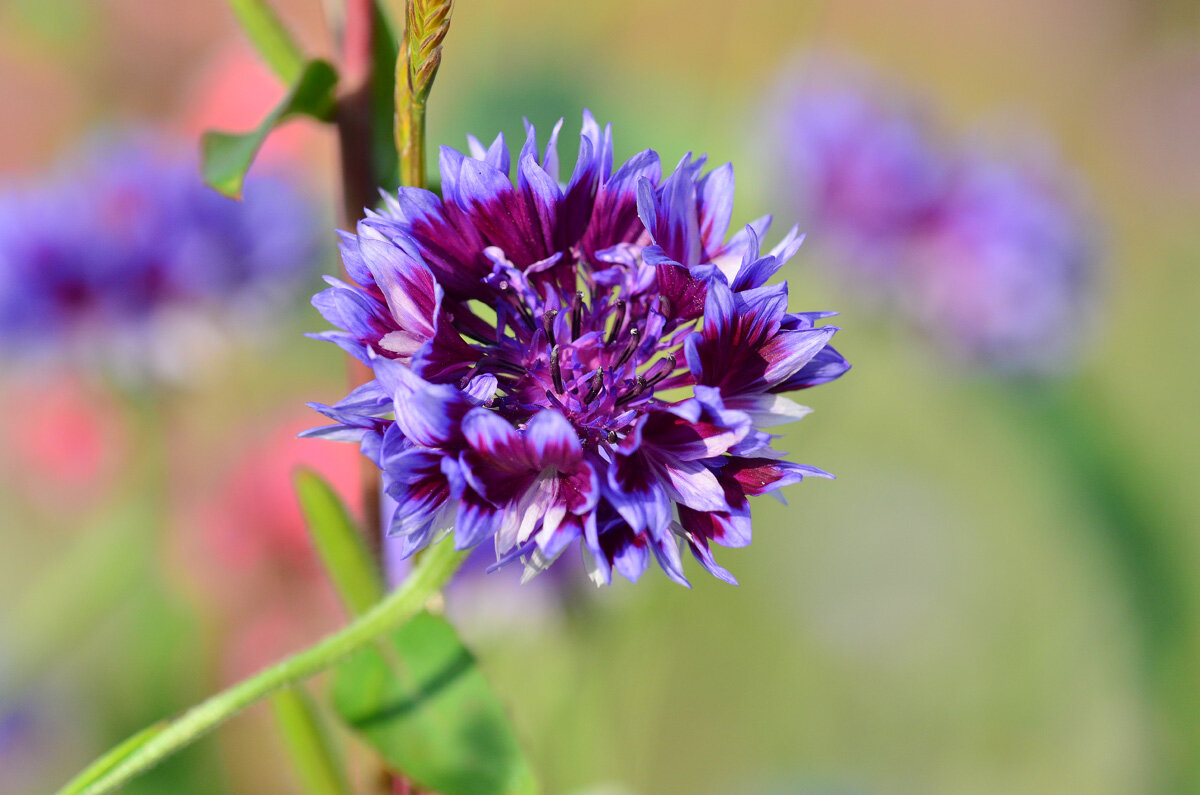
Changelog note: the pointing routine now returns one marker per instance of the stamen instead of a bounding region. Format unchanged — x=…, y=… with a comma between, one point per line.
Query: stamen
x=577, y=316
x=620, y=321
x=548, y=325
x=638, y=388
x=556, y=370
x=657, y=373
x=612, y=437
x=595, y=387
x=525, y=313
x=664, y=306
x=634, y=338
x=515, y=301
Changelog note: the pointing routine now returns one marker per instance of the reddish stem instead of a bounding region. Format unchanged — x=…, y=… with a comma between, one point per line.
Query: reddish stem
x=358, y=192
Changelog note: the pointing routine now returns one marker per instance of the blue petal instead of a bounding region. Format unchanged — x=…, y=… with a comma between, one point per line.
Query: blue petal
x=428, y=414
x=476, y=521
x=824, y=367
x=788, y=352
x=407, y=284
x=630, y=559
x=450, y=162
x=542, y=196
x=693, y=484
x=666, y=552
x=635, y=490
x=716, y=205
x=703, y=553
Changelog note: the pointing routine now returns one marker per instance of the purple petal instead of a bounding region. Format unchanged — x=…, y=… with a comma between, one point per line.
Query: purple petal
x=477, y=520
x=716, y=206
x=666, y=552
x=553, y=440
x=703, y=553
x=827, y=365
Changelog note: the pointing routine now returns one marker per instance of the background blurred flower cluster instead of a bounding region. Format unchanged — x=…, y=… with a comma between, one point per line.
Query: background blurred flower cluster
x=984, y=244
x=943, y=618
x=122, y=260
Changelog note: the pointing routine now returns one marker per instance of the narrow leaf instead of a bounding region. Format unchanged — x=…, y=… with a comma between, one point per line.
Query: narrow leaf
x=226, y=157
x=314, y=757
x=339, y=543
x=101, y=766
x=270, y=38
x=433, y=716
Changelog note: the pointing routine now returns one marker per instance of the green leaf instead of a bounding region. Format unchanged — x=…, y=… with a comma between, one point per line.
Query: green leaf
x=339, y=543
x=385, y=50
x=226, y=157
x=433, y=716
x=270, y=38
x=98, y=769
x=313, y=755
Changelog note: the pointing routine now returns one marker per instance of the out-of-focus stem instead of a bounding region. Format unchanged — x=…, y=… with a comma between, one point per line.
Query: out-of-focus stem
x=1136, y=526
x=358, y=192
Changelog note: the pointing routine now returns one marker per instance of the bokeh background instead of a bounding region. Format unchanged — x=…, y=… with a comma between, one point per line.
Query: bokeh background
x=949, y=616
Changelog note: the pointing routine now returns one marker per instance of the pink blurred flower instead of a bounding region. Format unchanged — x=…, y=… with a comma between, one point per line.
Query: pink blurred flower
x=277, y=628
x=64, y=440
x=246, y=548
x=253, y=520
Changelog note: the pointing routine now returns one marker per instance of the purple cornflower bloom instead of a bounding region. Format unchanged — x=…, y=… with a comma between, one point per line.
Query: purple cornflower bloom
x=124, y=253
x=586, y=361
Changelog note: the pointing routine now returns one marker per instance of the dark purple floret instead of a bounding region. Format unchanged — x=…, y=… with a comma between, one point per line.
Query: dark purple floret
x=583, y=361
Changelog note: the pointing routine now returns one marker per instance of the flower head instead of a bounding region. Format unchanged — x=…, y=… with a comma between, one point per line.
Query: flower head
x=126, y=257
x=591, y=360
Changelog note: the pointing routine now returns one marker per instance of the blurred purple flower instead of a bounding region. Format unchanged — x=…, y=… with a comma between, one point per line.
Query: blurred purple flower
x=858, y=159
x=586, y=361
x=125, y=245
x=1003, y=275
x=992, y=256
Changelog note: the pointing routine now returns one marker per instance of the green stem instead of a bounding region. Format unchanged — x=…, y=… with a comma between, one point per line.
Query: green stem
x=426, y=23
x=435, y=568
x=410, y=132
